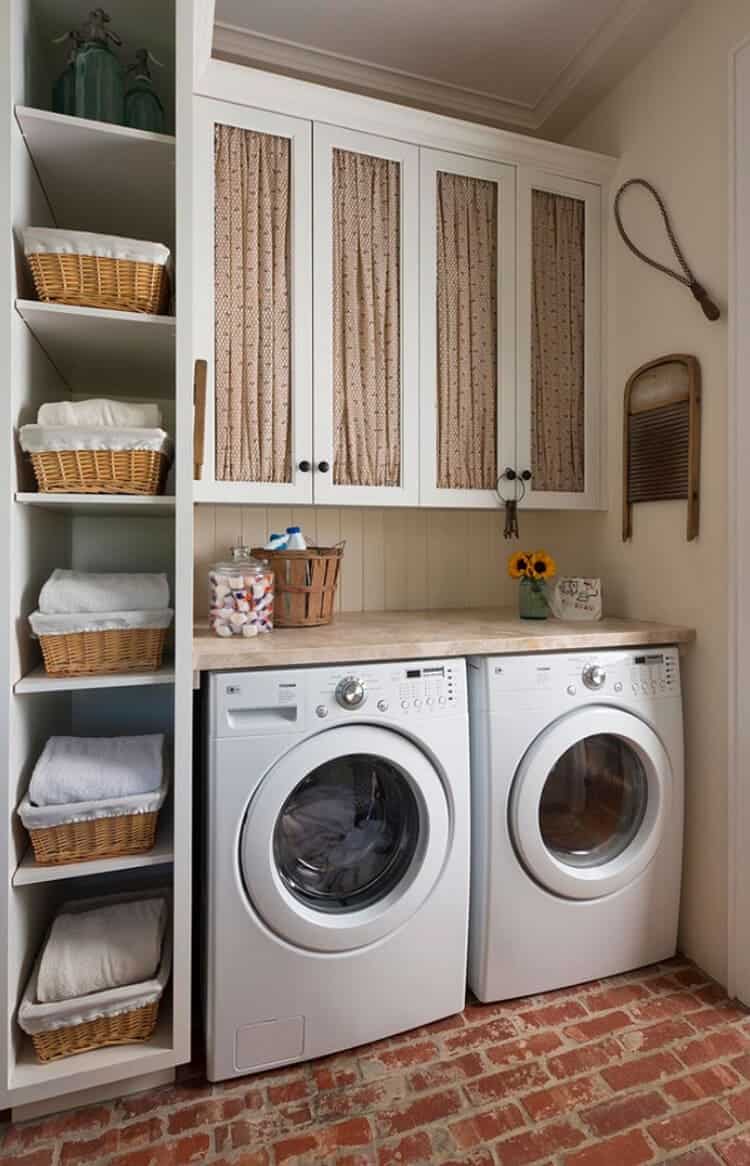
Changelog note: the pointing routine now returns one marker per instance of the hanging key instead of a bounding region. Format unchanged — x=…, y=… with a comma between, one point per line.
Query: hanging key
x=511, y=518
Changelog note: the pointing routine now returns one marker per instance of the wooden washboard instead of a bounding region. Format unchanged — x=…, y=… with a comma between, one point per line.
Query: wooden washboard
x=661, y=436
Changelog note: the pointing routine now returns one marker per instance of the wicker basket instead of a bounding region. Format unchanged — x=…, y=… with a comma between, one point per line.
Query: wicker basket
x=123, y=1029
x=98, y=653
x=92, y=281
x=94, y=838
x=100, y=471
x=305, y=584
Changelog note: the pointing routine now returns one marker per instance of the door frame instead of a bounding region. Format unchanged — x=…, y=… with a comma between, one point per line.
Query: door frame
x=207, y=113
x=738, y=548
x=590, y=498
x=431, y=163
x=328, y=138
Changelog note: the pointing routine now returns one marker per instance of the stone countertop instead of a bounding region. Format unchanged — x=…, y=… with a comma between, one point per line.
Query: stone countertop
x=413, y=635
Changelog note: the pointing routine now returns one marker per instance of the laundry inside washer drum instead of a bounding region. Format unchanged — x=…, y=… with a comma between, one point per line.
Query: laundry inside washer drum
x=347, y=833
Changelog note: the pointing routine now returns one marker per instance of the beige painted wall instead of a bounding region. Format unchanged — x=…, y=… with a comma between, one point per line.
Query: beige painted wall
x=668, y=122
x=400, y=559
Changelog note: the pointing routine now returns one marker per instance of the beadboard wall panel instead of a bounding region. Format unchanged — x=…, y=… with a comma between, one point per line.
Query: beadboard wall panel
x=402, y=559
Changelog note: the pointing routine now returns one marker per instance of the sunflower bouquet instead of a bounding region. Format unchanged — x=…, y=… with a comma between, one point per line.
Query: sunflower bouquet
x=532, y=569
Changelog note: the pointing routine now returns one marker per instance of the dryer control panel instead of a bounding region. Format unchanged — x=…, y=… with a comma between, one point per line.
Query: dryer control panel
x=614, y=676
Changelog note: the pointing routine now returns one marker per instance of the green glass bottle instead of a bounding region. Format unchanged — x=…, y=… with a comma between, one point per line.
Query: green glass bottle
x=98, y=75
x=143, y=109
x=64, y=89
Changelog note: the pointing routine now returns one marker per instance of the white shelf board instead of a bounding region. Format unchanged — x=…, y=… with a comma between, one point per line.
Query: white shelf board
x=32, y=1080
x=93, y=348
x=129, y=505
x=29, y=872
x=101, y=177
x=38, y=681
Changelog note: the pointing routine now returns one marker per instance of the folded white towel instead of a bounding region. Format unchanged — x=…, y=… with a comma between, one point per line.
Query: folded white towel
x=66, y=592
x=100, y=411
x=43, y=438
x=57, y=241
x=84, y=769
x=41, y=817
x=100, y=621
x=109, y=947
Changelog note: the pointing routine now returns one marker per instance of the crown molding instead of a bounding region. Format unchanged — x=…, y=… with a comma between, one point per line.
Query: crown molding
x=601, y=62
x=240, y=45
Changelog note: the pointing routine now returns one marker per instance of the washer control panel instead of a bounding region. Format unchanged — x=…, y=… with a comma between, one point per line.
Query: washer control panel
x=351, y=692
x=426, y=688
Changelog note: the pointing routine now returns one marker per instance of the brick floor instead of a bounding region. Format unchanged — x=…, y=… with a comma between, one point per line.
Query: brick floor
x=652, y=1066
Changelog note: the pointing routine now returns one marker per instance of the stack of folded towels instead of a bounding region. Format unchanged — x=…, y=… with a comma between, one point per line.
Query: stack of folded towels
x=96, y=424
x=80, y=778
x=100, y=949
x=101, y=958
x=80, y=601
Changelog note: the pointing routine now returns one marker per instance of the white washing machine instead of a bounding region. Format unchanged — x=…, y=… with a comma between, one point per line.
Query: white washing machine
x=338, y=858
x=577, y=811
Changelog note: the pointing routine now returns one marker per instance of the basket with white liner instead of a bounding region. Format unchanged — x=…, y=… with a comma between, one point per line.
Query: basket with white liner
x=92, y=624
x=100, y=976
x=98, y=447
x=95, y=797
x=88, y=270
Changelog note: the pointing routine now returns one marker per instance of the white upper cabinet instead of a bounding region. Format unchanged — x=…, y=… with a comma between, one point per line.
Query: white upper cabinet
x=252, y=302
x=387, y=319
x=559, y=330
x=467, y=327
x=366, y=304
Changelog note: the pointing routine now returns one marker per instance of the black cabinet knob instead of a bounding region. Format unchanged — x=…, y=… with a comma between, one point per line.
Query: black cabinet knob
x=323, y=467
x=510, y=474
x=526, y=475
x=304, y=467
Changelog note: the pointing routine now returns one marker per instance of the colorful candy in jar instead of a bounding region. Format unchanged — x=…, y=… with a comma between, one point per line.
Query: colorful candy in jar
x=240, y=595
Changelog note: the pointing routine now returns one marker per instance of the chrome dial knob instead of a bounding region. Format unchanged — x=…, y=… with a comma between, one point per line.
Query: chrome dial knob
x=594, y=676
x=351, y=692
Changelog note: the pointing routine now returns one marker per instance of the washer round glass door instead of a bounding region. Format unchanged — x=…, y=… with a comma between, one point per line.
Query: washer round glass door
x=589, y=802
x=345, y=838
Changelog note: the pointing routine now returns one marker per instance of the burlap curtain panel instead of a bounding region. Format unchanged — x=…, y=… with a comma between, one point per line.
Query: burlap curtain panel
x=252, y=306
x=366, y=320
x=467, y=332
x=558, y=232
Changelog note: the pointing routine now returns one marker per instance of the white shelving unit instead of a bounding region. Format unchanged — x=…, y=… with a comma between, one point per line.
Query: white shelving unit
x=101, y=177
x=29, y=871
x=97, y=505
x=37, y=681
x=91, y=347
x=85, y=175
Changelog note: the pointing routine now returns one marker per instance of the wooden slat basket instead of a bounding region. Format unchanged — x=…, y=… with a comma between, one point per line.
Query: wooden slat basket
x=305, y=584
x=94, y=281
x=100, y=471
x=100, y=653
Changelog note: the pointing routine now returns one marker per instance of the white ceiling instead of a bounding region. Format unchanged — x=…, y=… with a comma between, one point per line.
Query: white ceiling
x=509, y=62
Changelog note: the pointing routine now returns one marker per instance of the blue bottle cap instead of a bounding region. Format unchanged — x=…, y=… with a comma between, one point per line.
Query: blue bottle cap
x=293, y=530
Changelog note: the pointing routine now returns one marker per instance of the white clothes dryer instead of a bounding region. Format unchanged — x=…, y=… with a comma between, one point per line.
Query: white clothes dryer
x=577, y=813
x=338, y=858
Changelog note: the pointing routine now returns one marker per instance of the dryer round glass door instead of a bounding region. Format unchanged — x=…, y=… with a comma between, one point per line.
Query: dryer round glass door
x=589, y=802
x=345, y=837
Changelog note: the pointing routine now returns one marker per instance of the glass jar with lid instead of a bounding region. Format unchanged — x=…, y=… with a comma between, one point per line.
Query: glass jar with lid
x=240, y=595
